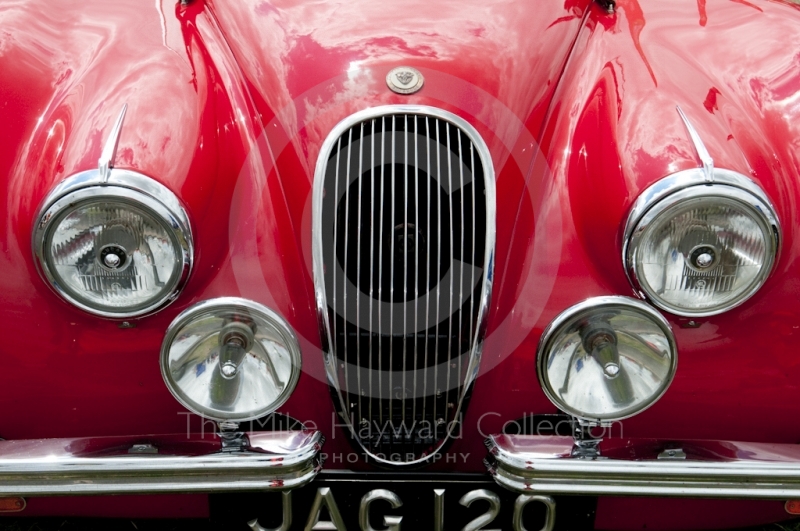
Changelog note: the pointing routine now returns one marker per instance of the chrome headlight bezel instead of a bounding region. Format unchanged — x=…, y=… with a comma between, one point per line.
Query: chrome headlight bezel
x=583, y=310
x=122, y=186
x=208, y=308
x=689, y=185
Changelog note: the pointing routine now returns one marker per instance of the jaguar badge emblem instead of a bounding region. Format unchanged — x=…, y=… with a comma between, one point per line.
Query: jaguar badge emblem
x=404, y=77
x=404, y=80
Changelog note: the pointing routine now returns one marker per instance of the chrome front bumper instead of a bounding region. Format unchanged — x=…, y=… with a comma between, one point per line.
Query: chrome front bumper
x=157, y=464
x=713, y=469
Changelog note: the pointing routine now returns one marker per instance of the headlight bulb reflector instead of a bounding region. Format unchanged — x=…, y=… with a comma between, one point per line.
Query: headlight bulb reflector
x=702, y=250
x=606, y=359
x=230, y=359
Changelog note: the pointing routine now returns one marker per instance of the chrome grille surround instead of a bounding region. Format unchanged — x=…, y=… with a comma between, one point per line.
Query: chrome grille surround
x=344, y=363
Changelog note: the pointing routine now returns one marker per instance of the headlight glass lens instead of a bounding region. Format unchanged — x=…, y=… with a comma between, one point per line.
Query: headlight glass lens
x=113, y=256
x=230, y=359
x=115, y=251
x=607, y=359
x=703, y=250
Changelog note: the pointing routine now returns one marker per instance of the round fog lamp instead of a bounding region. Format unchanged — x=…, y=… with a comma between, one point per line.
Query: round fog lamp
x=607, y=359
x=230, y=359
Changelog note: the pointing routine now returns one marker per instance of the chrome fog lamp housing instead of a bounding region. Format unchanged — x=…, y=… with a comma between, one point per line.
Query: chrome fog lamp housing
x=117, y=247
x=695, y=247
x=230, y=359
x=606, y=359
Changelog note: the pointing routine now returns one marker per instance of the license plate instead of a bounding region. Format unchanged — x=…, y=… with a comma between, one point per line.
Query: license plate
x=385, y=501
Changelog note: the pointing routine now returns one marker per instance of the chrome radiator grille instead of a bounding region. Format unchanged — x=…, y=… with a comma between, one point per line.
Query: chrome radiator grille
x=404, y=232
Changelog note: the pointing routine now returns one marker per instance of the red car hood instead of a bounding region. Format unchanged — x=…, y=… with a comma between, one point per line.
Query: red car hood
x=203, y=83
x=305, y=60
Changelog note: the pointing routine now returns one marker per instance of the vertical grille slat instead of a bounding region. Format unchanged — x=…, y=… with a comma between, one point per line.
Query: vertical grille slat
x=405, y=270
x=416, y=261
x=405, y=241
x=418, y=228
x=358, y=268
x=428, y=268
x=461, y=272
x=472, y=308
x=346, y=351
x=392, y=278
x=436, y=386
x=380, y=273
x=371, y=255
x=335, y=272
x=450, y=299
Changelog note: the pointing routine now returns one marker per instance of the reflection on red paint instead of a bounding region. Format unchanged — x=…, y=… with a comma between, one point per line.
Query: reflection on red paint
x=636, y=23
x=701, y=8
x=748, y=4
x=575, y=9
x=710, y=102
x=562, y=19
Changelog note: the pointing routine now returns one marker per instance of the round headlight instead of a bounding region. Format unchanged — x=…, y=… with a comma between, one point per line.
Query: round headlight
x=117, y=249
x=230, y=359
x=703, y=249
x=606, y=359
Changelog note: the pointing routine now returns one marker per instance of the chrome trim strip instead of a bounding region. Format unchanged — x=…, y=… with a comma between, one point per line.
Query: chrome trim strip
x=596, y=304
x=533, y=472
x=700, y=148
x=685, y=185
x=317, y=248
x=127, y=185
x=51, y=467
x=106, y=160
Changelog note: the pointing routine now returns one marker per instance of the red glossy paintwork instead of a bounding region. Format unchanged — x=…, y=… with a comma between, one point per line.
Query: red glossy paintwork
x=229, y=102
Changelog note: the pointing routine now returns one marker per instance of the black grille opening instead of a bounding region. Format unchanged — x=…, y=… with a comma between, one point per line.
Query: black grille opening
x=404, y=245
